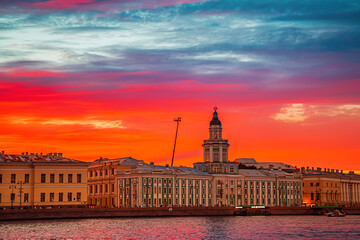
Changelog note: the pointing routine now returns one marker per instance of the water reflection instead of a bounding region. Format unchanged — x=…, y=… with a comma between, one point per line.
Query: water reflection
x=271, y=227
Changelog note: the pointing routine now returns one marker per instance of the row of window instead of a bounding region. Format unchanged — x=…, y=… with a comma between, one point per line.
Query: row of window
x=99, y=188
x=60, y=178
x=99, y=173
x=317, y=184
x=43, y=178
x=51, y=198
x=60, y=197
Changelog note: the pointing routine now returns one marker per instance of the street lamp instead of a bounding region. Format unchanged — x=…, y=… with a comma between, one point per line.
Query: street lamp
x=20, y=190
x=12, y=196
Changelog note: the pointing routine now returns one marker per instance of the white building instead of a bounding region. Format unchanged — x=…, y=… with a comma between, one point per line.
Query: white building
x=215, y=181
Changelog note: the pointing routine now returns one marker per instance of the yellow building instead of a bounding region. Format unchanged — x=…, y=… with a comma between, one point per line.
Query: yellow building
x=37, y=180
x=101, y=180
x=330, y=188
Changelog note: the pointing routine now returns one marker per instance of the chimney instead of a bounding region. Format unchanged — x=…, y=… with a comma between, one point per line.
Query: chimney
x=50, y=154
x=302, y=169
x=27, y=153
x=332, y=170
x=60, y=155
x=312, y=168
x=307, y=168
x=55, y=154
x=318, y=169
x=324, y=169
x=151, y=163
x=341, y=171
x=337, y=170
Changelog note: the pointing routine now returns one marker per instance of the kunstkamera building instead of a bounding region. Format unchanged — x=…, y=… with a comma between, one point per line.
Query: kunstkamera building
x=215, y=181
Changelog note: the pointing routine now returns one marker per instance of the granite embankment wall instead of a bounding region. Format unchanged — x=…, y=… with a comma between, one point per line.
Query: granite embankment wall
x=62, y=213
x=351, y=210
x=309, y=211
x=290, y=211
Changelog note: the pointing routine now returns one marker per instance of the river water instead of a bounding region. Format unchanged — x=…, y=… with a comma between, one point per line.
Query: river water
x=237, y=227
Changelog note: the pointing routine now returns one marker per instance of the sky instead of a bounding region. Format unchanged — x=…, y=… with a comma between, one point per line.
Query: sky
x=93, y=78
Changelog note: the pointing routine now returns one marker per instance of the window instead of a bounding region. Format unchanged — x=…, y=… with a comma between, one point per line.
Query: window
x=61, y=197
x=0, y=178
x=317, y=184
x=13, y=178
x=69, y=196
x=26, y=197
x=215, y=154
x=91, y=173
x=112, y=187
x=0, y=197
x=311, y=184
x=69, y=178
x=61, y=178
x=12, y=197
x=27, y=178
x=78, y=196
x=42, y=197
x=52, y=178
x=312, y=196
x=43, y=178
x=52, y=196
x=78, y=178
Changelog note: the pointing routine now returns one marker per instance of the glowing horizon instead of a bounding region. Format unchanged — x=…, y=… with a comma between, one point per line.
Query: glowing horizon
x=93, y=78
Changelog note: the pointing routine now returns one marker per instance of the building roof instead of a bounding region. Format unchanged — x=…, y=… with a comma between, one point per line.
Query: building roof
x=315, y=173
x=264, y=173
x=265, y=165
x=126, y=161
x=37, y=158
x=142, y=167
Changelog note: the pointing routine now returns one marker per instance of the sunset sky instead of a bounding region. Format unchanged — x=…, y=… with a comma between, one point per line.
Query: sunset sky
x=92, y=78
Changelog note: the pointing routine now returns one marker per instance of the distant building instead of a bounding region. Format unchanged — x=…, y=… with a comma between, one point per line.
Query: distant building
x=250, y=162
x=330, y=188
x=37, y=180
x=215, y=181
x=101, y=179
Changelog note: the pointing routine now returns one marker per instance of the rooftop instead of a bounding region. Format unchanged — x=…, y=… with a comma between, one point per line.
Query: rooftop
x=36, y=158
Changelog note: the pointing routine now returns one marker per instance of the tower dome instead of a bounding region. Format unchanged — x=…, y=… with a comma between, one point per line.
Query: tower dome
x=215, y=120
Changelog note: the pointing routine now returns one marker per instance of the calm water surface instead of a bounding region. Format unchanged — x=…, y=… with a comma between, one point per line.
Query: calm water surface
x=237, y=227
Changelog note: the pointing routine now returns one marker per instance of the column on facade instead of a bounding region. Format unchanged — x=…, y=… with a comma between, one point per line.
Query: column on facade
x=211, y=154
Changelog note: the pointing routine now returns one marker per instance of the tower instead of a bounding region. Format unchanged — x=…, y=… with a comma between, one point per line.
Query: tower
x=215, y=148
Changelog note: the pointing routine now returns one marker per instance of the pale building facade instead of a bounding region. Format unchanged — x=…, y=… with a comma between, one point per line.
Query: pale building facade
x=36, y=180
x=330, y=188
x=101, y=180
x=215, y=181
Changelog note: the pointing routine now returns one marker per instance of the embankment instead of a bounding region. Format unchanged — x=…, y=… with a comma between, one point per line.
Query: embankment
x=63, y=213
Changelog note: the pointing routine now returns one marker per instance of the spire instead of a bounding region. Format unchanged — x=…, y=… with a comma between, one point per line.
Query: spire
x=215, y=120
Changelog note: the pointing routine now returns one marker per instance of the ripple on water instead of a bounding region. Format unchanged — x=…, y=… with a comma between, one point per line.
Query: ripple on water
x=270, y=227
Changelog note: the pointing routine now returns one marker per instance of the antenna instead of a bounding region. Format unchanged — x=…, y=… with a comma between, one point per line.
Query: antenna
x=177, y=120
